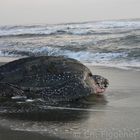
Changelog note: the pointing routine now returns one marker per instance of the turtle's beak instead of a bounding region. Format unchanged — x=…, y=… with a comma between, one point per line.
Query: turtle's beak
x=106, y=83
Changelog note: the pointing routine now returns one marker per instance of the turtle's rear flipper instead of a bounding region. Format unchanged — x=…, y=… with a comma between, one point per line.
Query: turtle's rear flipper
x=9, y=91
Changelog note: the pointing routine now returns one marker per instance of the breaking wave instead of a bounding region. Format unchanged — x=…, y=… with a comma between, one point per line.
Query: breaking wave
x=87, y=28
x=110, y=43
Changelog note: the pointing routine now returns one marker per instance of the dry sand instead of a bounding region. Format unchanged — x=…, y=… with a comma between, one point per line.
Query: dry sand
x=113, y=117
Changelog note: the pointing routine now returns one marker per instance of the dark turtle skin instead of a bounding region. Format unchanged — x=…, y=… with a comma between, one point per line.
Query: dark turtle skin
x=48, y=78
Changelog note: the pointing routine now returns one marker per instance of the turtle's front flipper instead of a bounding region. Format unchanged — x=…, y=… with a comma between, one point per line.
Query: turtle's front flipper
x=10, y=92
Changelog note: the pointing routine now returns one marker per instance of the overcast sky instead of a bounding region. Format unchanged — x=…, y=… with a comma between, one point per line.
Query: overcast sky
x=60, y=11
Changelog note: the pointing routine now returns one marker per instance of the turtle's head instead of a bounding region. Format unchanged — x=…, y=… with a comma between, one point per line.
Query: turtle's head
x=101, y=83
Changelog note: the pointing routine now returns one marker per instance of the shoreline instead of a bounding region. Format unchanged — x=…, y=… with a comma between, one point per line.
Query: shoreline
x=4, y=60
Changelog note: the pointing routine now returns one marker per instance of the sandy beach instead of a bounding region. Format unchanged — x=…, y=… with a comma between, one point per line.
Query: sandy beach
x=46, y=98
x=112, y=117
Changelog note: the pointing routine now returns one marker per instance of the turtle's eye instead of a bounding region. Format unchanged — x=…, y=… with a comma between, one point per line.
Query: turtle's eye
x=90, y=74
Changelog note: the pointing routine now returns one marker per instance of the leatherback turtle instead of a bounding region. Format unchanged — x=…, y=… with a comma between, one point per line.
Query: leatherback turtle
x=49, y=78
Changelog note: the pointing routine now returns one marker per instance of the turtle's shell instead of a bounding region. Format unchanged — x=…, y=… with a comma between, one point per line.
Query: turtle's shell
x=49, y=77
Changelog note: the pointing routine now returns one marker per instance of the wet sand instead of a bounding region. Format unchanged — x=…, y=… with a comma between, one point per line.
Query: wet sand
x=112, y=117
x=7, y=134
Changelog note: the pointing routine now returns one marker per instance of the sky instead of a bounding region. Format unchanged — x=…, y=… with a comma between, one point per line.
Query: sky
x=13, y=12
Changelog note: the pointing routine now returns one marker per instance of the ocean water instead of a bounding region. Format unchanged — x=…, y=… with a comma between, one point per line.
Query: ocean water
x=107, y=43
